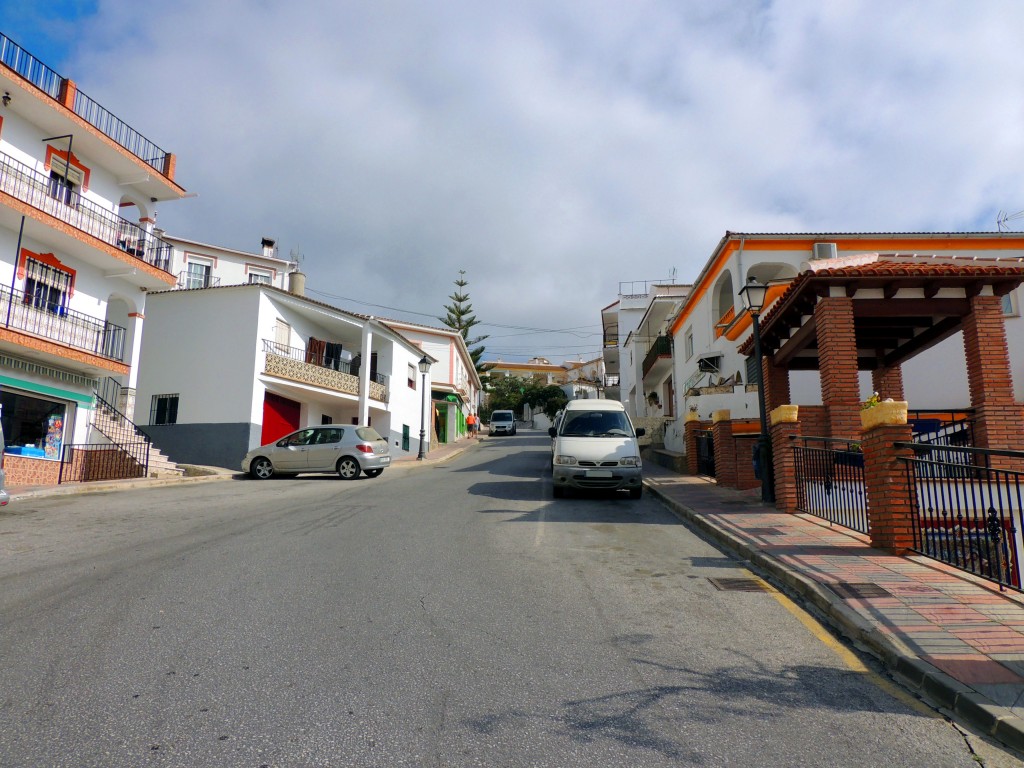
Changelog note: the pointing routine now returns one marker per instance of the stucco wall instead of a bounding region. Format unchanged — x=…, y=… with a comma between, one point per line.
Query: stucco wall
x=215, y=445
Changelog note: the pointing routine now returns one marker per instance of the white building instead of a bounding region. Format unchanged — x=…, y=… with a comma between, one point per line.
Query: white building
x=456, y=388
x=229, y=368
x=201, y=265
x=78, y=191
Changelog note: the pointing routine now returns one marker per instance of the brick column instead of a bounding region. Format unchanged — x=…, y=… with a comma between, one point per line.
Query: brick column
x=999, y=422
x=888, y=382
x=725, y=449
x=66, y=96
x=837, y=349
x=784, y=426
x=776, y=383
x=690, y=430
x=888, y=490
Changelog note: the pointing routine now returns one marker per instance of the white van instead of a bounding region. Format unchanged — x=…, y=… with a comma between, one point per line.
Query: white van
x=595, y=446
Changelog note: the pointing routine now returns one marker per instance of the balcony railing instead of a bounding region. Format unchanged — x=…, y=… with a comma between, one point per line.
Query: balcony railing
x=22, y=182
x=61, y=325
x=662, y=347
x=51, y=83
x=188, y=280
x=292, y=363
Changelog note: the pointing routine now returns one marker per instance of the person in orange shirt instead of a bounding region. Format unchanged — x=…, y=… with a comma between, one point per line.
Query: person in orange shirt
x=472, y=423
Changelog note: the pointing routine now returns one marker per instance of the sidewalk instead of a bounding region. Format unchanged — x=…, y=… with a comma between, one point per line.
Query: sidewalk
x=950, y=637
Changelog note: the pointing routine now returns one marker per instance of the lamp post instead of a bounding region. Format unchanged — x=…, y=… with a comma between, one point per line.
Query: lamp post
x=424, y=366
x=753, y=294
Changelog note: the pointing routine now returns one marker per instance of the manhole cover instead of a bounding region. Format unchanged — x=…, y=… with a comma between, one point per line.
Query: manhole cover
x=728, y=584
x=846, y=590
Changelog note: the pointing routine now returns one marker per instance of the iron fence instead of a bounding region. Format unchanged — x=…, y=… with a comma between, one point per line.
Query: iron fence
x=90, y=462
x=29, y=186
x=830, y=481
x=59, y=324
x=968, y=504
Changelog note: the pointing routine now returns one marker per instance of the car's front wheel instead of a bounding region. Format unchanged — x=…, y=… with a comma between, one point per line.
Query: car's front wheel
x=348, y=468
x=261, y=468
x=373, y=472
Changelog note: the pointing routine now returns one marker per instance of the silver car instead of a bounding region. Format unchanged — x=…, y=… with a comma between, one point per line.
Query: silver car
x=348, y=451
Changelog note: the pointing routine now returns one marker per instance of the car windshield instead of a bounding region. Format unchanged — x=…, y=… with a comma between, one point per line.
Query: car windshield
x=497, y=416
x=596, y=424
x=369, y=434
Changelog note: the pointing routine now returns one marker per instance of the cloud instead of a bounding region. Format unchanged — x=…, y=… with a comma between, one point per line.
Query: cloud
x=552, y=150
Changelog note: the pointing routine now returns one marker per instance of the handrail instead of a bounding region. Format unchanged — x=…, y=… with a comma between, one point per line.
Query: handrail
x=28, y=185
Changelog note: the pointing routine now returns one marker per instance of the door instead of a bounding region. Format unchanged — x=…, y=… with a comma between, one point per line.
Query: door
x=280, y=416
x=293, y=455
x=324, y=449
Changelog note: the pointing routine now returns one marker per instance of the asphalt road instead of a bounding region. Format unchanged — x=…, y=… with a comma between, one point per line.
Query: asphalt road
x=439, y=615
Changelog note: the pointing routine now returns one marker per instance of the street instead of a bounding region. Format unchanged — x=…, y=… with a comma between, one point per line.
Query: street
x=446, y=614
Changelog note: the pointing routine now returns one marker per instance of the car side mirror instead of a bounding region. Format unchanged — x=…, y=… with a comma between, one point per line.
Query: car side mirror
x=641, y=432
x=552, y=431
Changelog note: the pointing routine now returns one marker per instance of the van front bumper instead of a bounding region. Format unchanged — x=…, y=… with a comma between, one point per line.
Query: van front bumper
x=613, y=479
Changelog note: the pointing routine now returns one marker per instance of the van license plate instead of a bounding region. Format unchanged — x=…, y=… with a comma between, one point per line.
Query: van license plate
x=599, y=473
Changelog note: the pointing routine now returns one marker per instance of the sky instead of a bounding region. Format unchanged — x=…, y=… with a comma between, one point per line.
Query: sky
x=549, y=151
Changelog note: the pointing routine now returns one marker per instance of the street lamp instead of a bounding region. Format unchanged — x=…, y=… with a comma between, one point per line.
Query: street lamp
x=424, y=366
x=753, y=295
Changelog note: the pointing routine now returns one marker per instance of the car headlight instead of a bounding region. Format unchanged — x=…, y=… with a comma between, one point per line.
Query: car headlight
x=629, y=461
x=567, y=461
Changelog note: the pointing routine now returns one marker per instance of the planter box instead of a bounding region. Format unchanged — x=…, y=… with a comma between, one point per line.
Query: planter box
x=888, y=413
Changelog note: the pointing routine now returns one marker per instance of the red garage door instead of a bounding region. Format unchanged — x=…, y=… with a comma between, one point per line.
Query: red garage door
x=280, y=416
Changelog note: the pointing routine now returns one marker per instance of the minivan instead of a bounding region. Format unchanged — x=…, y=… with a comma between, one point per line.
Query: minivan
x=595, y=447
x=502, y=423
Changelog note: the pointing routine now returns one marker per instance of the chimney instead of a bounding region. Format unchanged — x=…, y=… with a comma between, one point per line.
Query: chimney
x=297, y=283
x=269, y=248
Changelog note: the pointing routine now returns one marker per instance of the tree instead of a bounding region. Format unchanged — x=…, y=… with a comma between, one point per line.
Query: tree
x=550, y=399
x=460, y=318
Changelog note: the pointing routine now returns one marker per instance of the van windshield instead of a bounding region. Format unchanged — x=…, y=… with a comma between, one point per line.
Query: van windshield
x=596, y=424
x=501, y=416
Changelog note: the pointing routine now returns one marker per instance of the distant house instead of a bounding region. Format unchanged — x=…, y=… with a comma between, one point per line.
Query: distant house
x=201, y=265
x=538, y=369
x=455, y=384
x=225, y=369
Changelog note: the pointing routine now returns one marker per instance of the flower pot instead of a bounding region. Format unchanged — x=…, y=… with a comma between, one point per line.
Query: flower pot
x=886, y=413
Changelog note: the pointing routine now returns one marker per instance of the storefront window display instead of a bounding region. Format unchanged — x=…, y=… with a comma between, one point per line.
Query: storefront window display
x=33, y=426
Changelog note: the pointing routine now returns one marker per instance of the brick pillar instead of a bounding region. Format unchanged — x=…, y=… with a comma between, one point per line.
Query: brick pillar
x=888, y=382
x=690, y=430
x=784, y=427
x=776, y=383
x=999, y=422
x=888, y=490
x=66, y=96
x=725, y=449
x=169, y=165
x=837, y=349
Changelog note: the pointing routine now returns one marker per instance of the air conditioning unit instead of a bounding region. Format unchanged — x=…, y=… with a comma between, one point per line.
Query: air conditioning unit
x=825, y=251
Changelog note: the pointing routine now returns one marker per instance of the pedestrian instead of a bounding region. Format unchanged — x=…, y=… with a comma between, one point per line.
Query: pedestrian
x=472, y=424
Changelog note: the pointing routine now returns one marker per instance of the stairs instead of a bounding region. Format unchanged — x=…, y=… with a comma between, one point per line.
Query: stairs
x=116, y=428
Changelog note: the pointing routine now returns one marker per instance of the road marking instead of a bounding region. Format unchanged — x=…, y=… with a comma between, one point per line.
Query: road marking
x=850, y=659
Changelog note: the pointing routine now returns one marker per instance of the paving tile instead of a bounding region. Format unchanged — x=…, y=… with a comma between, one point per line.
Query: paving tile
x=974, y=670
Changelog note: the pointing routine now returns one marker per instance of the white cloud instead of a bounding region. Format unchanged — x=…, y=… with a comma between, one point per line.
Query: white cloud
x=553, y=150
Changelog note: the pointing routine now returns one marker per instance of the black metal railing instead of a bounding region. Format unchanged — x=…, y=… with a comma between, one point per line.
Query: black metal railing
x=706, y=452
x=51, y=83
x=944, y=430
x=662, y=347
x=91, y=462
x=968, y=508
x=118, y=428
x=321, y=360
x=188, y=280
x=61, y=325
x=29, y=186
x=830, y=481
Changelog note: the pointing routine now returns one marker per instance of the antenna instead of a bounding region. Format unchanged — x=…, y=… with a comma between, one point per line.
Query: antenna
x=1003, y=218
x=296, y=255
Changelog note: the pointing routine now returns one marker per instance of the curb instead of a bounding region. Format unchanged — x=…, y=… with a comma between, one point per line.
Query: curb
x=916, y=675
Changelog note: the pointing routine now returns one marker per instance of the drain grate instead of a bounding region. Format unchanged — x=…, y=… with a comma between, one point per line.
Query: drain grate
x=732, y=584
x=847, y=590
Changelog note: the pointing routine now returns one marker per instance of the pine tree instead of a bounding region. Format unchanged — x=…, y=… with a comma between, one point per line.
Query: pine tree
x=461, y=318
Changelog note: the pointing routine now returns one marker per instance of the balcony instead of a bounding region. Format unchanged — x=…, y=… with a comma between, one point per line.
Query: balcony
x=29, y=186
x=291, y=363
x=53, y=85
x=659, y=359
x=61, y=325
x=188, y=280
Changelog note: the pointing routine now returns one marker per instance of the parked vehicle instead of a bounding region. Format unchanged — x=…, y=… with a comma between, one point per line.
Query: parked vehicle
x=595, y=447
x=4, y=497
x=348, y=451
x=502, y=423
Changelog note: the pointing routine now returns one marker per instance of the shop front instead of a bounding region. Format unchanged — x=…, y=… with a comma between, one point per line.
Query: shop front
x=37, y=421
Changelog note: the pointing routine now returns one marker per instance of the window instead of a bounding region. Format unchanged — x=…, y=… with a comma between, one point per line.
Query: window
x=32, y=426
x=412, y=376
x=1009, y=305
x=46, y=286
x=325, y=419
x=164, y=409
x=263, y=278
x=689, y=343
x=198, y=274
x=60, y=188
